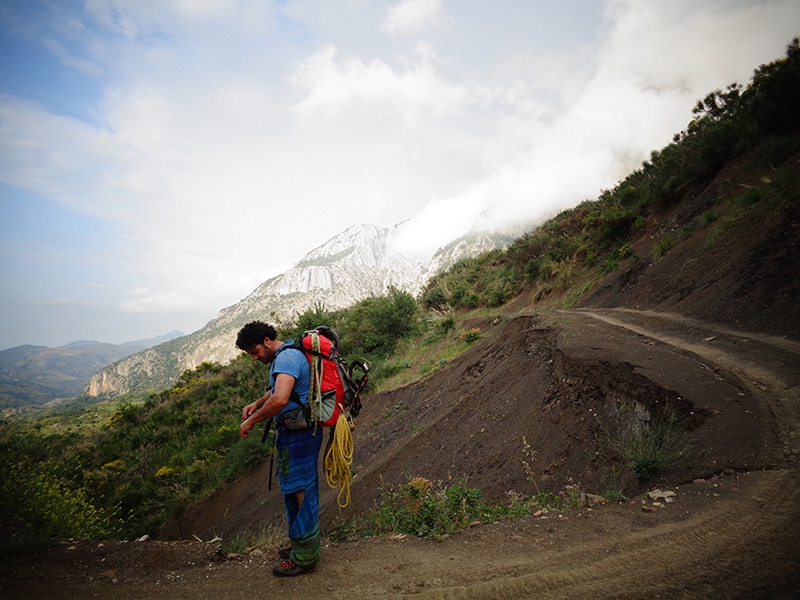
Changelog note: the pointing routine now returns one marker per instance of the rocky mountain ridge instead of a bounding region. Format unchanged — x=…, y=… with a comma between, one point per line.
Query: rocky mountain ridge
x=358, y=263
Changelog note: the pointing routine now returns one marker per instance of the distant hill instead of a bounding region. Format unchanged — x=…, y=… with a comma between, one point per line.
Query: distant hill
x=35, y=375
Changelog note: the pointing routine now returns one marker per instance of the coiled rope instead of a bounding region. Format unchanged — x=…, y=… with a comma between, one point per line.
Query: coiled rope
x=338, y=458
x=315, y=391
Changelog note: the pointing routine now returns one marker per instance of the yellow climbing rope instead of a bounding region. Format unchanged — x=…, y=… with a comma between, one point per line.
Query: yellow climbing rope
x=338, y=458
x=315, y=386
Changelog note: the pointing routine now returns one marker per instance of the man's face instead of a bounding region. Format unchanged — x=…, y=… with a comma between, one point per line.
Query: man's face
x=261, y=353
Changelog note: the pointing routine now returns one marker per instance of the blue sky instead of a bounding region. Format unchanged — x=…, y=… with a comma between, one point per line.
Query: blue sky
x=159, y=158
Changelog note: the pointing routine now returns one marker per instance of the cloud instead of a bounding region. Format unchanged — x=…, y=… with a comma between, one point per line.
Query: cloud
x=652, y=64
x=230, y=138
x=194, y=296
x=412, y=17
x=350, y=85
x=52, y=154
x=81, y=65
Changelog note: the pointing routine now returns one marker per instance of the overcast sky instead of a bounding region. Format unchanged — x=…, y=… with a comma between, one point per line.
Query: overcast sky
x=161, y=158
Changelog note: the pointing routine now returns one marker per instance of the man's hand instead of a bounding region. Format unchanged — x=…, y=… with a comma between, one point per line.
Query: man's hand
x=249, y=410
x=268, y=405
x=245, y=428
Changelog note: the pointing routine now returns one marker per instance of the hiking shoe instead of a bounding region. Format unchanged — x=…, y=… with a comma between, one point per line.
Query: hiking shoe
x=289, y=569
x=285, y=551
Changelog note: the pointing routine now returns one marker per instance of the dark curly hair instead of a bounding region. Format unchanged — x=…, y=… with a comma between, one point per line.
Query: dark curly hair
x=253, y=334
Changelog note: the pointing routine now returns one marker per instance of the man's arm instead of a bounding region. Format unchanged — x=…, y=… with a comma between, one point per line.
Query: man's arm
x=270, y=405
x=254, y=406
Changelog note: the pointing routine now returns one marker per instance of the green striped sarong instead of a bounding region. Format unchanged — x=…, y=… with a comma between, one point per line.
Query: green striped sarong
x=298, y=453
x=305, y=549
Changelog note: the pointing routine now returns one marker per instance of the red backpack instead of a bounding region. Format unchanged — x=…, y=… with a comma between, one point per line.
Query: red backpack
x=335, y=385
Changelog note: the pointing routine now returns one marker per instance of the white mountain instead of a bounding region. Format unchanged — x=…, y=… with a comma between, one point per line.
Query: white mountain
x=358, y=263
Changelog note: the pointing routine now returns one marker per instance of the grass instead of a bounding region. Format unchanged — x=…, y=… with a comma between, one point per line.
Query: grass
x=428, y=510
x=614, y=484
x=416, y=358
x=243, y=542
x=651, y=444
x=663, y=246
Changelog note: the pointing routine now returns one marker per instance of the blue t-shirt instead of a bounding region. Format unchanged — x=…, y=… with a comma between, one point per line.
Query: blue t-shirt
x=292, y=362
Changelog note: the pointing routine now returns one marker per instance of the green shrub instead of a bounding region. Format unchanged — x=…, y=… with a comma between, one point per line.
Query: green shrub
x=434, y=298
x=49, y=505
x=625, y=251
x=610, y=263
x=244, y=455
x=375, y=325
x=663, y=246
x=709, y=217
x=390, y=369
x=610, y=223
x=750, y=197
x=496, y=296
x=470, y=301
x=421, y=508
x=311, y=318
x=651, y=446
x=532, y=270
x=470, y=336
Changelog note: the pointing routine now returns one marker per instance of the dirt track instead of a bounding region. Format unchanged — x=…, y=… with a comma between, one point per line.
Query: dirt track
x=735, y=534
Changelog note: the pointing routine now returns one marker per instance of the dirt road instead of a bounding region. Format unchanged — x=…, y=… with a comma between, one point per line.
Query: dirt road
x=731, y=534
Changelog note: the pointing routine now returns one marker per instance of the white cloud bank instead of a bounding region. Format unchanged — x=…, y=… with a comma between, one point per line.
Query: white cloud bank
x=412, y=17
x=229, y=139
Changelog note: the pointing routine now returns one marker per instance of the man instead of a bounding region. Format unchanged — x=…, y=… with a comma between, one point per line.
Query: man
x=297, y=449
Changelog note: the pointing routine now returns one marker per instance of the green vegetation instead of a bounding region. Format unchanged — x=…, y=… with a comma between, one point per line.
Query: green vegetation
x=419, y=509
x=122, y=467
x=370, y=328
x=126, y=473
x=651, y=442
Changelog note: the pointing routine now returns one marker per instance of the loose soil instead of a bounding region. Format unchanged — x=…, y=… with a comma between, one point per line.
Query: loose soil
x=709, y=334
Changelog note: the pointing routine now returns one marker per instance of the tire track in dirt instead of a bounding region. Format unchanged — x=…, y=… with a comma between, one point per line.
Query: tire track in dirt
x=699, y=556
x=768, y=365
x=691, y=557
x=757, y=374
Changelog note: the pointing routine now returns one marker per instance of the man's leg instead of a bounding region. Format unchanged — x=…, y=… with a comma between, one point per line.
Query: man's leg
x=302, y=503
x=304, y=528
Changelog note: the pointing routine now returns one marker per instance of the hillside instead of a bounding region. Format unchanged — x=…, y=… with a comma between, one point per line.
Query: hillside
x=558, y=379
x=741, y=270
x=35, y=375
x=684, y=335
